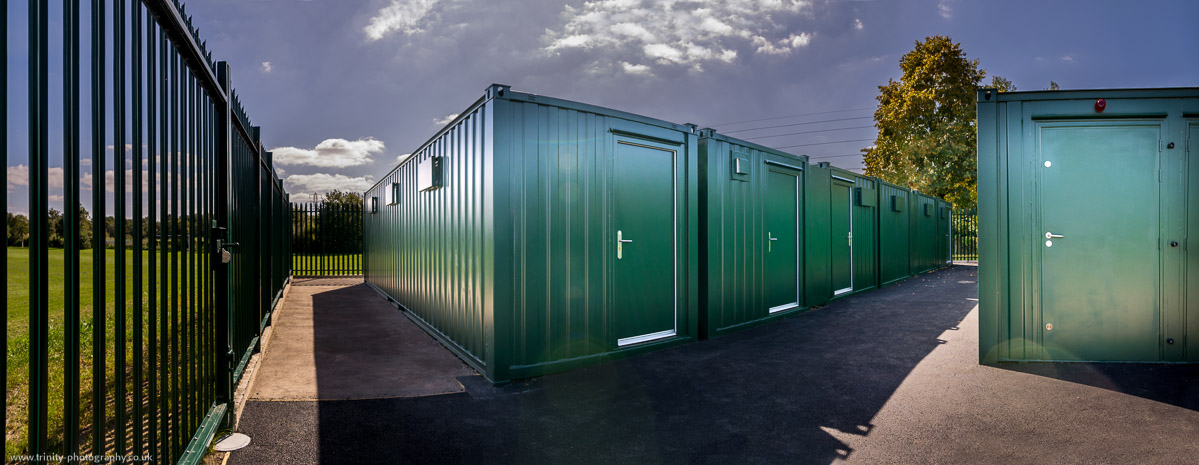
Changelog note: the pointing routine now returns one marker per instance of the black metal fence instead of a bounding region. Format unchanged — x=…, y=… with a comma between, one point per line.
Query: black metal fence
x=137, y=356
x=965, y=235
x=327, y=238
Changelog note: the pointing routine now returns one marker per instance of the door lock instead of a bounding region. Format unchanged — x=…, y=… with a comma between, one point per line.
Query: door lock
x=1049, y=235
x=620, y=241
x=1173, y=243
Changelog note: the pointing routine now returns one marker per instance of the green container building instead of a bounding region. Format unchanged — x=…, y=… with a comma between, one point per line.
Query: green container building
x=533, y=235
x=751, y=210
x=1086, y=199
x=927, y=237
x=894, y=233
x=842, y=233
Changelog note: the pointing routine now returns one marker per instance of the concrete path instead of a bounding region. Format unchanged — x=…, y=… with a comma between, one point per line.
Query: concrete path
x=345, y=342
x=889, y=376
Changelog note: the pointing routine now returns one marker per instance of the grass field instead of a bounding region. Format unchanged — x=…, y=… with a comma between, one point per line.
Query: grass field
x=18, y=290
x=326, y=265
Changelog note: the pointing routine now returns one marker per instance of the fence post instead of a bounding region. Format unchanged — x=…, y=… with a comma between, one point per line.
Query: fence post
x=223, y=346
x=38, y=226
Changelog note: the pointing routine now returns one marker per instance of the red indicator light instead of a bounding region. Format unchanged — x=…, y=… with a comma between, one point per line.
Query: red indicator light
x=1100, y=105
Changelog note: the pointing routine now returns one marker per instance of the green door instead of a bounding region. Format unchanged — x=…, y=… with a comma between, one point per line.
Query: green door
x=1099, y=241
x=841, y=237
x=644, y=242
x=782, y=239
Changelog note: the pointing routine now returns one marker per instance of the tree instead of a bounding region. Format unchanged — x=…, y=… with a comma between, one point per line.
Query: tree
x=1053, y=86
x=926, y=133
x=340, y=221
x=54, y=223
x=18, y=230
x=1003, y=85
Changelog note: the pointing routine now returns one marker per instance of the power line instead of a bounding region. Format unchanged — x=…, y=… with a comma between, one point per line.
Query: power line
x=808, y=132
x=823, y=143
x=837, y=156
x=794, y=116
x=798, y=124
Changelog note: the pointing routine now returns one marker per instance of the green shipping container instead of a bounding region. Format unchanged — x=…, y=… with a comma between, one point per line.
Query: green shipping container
x=751, y=214
x=842, y=233
x=894, y=233
x=926, y=238
x=1085, y=202
x=534, y=235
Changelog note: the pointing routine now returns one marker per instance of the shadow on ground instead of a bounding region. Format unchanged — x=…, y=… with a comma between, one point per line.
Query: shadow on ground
x=771, y=394
x=1175, y=384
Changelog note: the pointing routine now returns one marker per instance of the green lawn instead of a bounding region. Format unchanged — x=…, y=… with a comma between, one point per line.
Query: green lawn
x=326, y=265
x=18, y=337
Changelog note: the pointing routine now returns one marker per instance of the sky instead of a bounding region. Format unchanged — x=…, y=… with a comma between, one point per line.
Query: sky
x=343, y=89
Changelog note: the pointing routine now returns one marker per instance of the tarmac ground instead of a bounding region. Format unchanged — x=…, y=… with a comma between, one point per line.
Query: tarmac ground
x=888, y=376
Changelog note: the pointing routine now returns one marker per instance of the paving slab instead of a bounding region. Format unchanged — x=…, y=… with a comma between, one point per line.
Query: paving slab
x=337, y=342
x=889, y=376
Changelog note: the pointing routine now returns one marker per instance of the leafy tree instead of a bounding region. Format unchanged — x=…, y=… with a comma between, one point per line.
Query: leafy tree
x=54, y=222
x=1053, y=86
x=18, y=230
x=926, y=133
x=340, y=221
x=1003, y=85
x=85, y=229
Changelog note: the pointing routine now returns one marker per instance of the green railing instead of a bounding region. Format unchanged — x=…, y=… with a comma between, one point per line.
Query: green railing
x=965, y=235
x=137, y=354
x=327, y=238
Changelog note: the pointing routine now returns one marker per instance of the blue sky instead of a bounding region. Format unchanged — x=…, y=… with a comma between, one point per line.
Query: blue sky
x=343, y=88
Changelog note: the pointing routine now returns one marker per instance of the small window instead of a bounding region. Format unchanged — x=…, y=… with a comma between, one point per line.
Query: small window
x=374, y=205
x=394, y=194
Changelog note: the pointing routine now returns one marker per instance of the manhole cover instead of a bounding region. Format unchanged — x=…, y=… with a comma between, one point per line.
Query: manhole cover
x=232, y=442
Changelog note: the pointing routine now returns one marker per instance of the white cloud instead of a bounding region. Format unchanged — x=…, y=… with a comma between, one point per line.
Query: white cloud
x=1068, y=58
x=330, y=153
x=663, y=33
x=17, y=176
x=446, y=120
x=404, y=156
x=266, y=67
x=945, y=9
x=783, y=46
x=300, y=185
x=630, y=68
x=857, y=24
x=405, y=16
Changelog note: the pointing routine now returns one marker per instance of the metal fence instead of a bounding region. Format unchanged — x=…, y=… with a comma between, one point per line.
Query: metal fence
x=139, y=356
x=965, y=235
x=327, y=238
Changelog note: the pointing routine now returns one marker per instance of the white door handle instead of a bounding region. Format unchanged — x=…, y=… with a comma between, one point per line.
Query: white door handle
x=1049, y=235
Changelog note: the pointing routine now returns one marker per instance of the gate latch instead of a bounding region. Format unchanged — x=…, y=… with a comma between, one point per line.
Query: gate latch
x=221, y=253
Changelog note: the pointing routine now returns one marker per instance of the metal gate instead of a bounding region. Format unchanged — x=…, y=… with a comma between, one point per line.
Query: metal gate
x=327, y=237
x=965, y=235
x=137, y=358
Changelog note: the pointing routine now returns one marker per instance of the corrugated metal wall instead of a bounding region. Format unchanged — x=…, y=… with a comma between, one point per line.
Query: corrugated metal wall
x=1043, y=303
x=924, y=217
x=555, y=174
x=865, y=233
x=894, y=233
x=510, y=262
x=425, y=249
x=817, y=264
x=732, y=264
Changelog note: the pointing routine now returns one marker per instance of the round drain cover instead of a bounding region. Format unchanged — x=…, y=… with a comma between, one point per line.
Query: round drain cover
x=232, y=442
